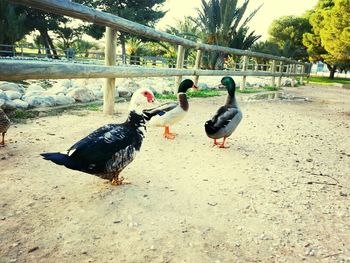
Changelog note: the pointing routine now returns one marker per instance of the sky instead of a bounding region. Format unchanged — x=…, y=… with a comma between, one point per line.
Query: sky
x=271, y=10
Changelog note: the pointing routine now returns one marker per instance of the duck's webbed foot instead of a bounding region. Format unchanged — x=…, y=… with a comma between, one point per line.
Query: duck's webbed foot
x=167, y=134
x=119, y=181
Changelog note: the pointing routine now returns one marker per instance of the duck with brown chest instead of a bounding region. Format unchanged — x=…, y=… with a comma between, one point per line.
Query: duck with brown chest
x=4, y=125
x=170, y=113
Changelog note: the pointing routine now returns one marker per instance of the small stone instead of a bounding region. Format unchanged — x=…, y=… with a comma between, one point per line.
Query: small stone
x=117, y=221
x=152, y=247
x=309, y=160
x=343, y=194
x=33, y=249
x=3, y=218
x=212, y=203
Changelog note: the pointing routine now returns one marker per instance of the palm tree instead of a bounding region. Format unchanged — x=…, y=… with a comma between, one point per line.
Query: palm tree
x=223, y=24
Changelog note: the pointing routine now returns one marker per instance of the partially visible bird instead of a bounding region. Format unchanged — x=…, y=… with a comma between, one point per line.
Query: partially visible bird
x=4, y=125
x=109, y=149
x=172, y=112
x=227, y=118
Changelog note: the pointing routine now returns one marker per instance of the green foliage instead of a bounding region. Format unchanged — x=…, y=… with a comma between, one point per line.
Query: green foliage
x=192, y=94
x=12, y=23
x=323, y=80
x=329, y=40
x=255, y=90
x=287, y=32
x=222, y=24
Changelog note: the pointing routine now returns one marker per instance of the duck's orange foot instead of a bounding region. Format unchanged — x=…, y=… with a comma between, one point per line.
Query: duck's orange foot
x=170, y=136
x=119, y=181
x=167, y=134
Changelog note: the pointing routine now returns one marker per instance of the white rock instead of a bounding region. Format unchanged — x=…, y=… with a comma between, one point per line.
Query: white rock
x=20, y=104
x=40, y=101
x=8, y=105
x=63, y=100
x=12, y=95
x=3, y=95
x=127, y=84
x=33, y=93
x=57, y=88
x=10, y=86
x=34, y=87
x=65, y=83
x=82, y=95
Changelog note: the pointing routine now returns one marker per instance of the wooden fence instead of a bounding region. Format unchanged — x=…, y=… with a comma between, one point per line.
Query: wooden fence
x=20, y=70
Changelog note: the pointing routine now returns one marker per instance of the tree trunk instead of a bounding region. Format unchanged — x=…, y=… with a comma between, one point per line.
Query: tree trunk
x=54, y=51
x=219, y=64
x=44, y=34
x=122, y=43
x=331, y=70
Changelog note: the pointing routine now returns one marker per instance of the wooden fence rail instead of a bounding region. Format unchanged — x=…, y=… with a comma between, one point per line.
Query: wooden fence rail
x=20, y=70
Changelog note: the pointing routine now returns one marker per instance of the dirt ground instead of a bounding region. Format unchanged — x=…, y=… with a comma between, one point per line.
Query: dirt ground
x=280, y=193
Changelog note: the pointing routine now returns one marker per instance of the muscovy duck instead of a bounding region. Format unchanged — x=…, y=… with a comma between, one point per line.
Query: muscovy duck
x=109, y=149
x=4, y=125
x=172, y=112
x=227, y=118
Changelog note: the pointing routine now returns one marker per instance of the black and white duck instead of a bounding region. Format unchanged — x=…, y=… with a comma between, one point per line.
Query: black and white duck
x=4, y=125
x=170, y=113
x=109, y=149
x=227, y=118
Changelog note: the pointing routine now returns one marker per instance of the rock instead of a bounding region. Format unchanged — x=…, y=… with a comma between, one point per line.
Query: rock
x=33, y=93
x=82, y=95
x=57, y=88
x=127, y=85
x=287, y=83
x=34, y=87
x=12, y=95
x=40, y=101
x=123, y=93
x=4, y=86
x=63, y=100
x=20, y=104
x=202, y=85
x=8, y=105
x=3, y=95
x=67, y=83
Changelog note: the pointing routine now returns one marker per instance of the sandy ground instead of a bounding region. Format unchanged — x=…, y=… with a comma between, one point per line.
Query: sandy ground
x=280, y=193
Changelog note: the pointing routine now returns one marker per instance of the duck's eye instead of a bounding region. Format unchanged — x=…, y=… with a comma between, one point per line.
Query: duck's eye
x=146, y=93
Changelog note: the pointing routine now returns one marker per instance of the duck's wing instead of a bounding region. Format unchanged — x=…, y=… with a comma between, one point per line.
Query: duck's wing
x=221, y=119
x=159, y=110
x=95, y=150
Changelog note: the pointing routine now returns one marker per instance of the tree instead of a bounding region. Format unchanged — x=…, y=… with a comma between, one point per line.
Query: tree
x=329, y=41
x=12, y=26
x=221, y=20
x=146, y=12
x=287, y=32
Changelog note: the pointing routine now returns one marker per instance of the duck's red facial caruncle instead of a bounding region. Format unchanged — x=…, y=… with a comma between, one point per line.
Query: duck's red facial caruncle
x=149, y=96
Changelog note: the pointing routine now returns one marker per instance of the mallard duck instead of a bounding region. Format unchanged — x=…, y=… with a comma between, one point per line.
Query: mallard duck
x=227, y=118
x=172, y=112
x=108, y=150
x=4, y=125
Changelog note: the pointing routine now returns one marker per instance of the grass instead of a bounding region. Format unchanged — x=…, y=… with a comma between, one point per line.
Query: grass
x=326, y=80
x=21, y=116
x=192, y=94
x=254, y=90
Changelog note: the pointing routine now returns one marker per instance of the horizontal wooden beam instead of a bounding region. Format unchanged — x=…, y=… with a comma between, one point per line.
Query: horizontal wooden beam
x=71, y=9
x=21, y=70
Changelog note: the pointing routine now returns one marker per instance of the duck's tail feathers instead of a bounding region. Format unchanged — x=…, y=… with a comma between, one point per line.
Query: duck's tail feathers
x=209, y=128
x=60, y=159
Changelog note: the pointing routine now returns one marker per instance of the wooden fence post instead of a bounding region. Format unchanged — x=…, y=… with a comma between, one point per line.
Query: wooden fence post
x=110, y=57
x=179, y=64
x=302, y=76
x=244, y=68
x=197, y=65
x=293, y=70
x=279, y=82
x=273, y=71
